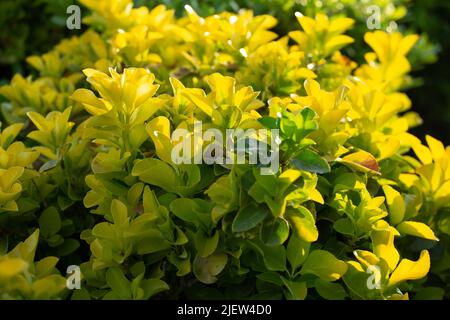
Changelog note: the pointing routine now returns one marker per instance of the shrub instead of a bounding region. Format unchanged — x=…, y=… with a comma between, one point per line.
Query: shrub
x=86, y=160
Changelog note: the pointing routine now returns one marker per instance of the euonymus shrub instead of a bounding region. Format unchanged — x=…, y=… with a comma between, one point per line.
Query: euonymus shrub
x=358, y=209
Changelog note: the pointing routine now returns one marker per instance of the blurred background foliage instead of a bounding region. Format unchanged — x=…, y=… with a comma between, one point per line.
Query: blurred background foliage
x=29, y=27
x=34, y=27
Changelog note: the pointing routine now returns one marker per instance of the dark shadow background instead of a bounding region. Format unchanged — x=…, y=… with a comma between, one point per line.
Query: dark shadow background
x=34, y=28
x=432, y=99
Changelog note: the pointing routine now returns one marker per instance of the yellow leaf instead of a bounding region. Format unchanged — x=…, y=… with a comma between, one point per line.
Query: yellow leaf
x=176, y=84
x=407, y=43
x=340, y=25
x=383, y=246
x=303, y=223
x=411, y=270
x=307, y=23
x=316, y=196
x=423, y=153
x=9, y=267
x=361, y=161
x=89, y=100
x=199, y=99
x=338, y=42
x=378, y=41
x=433, y=174
x=312, y=87
x=388, y=148
x=27, y=248
x=159, y=126
x=222, y=88
x=417, y=229
x=9, y=177
x=442, y=195
x=366, y=258
x=397, y=296
x=159, y=131
x=290, y=175
x=436, y=147
x=408, y=179
x=9, y=134
x=395, y=203
x=36, y=62
x=38, y=120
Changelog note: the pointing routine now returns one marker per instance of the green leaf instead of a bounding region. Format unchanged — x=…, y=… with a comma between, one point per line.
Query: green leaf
x=197, y=211
x=119, y=212
x=206, y=269
x=444, y=222
x=183, y=264
x=45, y=266
x=49, y=222
x=55, y=240
x=113, y=161
x=297, y=290
x=297, y=251
x=329, y=290
x=274, y=256
x=82, y=294
x=310, y=161
x=206, y=245
x=275, y=232
x=324, y=265
x=271, y=277
x=103, y=230
x=308, y=114
x=288, y=125
x=157, y=173
x=224, y=194
x=249, y=217
x=356, y=279
x=152, y=242
x=269, y=122
x=67, y=247
x=185, y=209
x=117, y=281
x=303, y=223
x=48, y=165
x=152, y=287
x=344, y=226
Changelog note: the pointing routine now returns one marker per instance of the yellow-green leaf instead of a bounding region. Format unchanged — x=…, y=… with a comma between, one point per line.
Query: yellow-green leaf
x=324, y=265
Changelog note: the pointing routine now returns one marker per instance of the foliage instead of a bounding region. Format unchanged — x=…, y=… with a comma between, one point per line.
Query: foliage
x=86, y=159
